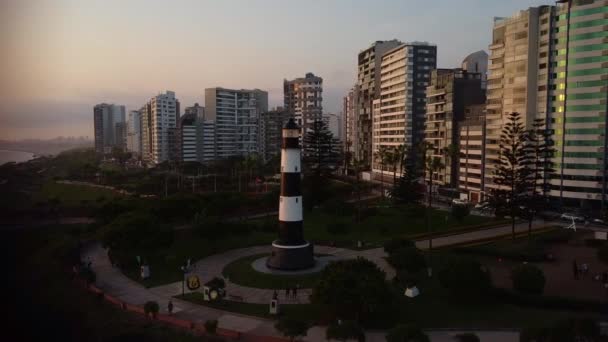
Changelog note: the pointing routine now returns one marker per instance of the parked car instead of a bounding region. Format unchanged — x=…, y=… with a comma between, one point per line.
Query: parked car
x=457, y=201
x=482, y=205
x=570, y=217
x=598, y=221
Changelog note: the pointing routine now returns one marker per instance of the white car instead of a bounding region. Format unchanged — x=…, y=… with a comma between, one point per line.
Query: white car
x=570, y=217
x=482, y=205
x=459, y=202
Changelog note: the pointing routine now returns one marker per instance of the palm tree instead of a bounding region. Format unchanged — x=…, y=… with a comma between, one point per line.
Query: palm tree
x=394, y=159
x=433, y=164
x=381, y=156
x=401, y=152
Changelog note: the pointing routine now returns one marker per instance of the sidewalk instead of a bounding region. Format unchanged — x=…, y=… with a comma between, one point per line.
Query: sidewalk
x=113, y=282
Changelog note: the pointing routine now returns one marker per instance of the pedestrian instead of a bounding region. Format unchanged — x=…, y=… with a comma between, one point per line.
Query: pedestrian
x=287, y=292
x=584, y=269
x=575, y=269
x=275, y=295
x=170, y=307
x=295, y=292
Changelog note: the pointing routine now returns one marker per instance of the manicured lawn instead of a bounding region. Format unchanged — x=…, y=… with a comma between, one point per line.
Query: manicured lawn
x=70, y=195
x=241, y=272
x=165, y=264
x=433, y=308
x=384, y=224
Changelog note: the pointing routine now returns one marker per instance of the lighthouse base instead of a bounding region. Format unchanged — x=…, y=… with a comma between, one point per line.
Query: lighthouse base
x=291, y=258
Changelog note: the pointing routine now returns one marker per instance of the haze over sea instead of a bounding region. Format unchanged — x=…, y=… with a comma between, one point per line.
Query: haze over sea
x=7, y=156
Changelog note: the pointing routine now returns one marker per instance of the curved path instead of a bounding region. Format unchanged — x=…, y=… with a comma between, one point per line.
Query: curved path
x=114, y=282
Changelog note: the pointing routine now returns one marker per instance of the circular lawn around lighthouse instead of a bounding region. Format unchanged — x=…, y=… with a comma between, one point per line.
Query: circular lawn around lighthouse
x=248, y=271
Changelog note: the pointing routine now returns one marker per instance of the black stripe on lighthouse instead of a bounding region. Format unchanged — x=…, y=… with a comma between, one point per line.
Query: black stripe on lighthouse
x=290, y=184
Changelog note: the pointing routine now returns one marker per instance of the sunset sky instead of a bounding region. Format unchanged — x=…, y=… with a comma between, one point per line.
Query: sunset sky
x=61, y=57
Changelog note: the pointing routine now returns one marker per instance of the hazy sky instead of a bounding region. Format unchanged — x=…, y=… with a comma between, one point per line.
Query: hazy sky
x=61, y=57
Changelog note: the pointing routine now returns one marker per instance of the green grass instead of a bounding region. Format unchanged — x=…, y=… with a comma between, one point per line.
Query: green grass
x=241, y=272
x=165, y=264
x=70, y=195
x=308, y=312
x=385, y=224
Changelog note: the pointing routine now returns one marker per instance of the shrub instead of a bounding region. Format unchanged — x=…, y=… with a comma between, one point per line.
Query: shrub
x=345, y=330
x=408, y=258
x=151, y=308
x=397, y=243
x=602, y=253
x=465, y=277
x=211, y=326
x=459, y=212
x=528, y=279
x=217, y=283
x=338, y=207
x=336, y=228
x=291, y=327
x=406, y=332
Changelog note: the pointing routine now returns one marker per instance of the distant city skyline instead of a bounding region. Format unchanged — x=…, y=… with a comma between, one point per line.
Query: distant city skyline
x=65, y=56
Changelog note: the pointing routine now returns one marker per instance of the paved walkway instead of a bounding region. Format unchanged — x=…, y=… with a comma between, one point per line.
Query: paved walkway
x=113, y=282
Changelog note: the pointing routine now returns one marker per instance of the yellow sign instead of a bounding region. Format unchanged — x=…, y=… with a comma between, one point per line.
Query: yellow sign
x=193, y=282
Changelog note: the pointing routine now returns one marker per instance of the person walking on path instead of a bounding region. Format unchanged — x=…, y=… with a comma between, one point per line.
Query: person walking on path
x=295, y=292
x=575, y=269
x=170, y=307
x=584, y=269
x=287, y=292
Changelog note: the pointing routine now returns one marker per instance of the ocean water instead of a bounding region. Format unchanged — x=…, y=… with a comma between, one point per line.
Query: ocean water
x=14, y=156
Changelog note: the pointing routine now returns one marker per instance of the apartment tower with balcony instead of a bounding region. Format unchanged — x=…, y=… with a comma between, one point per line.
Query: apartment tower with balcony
x=400, y=107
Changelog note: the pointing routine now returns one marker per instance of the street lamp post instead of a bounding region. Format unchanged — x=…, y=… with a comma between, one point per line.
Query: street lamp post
x=184, y=271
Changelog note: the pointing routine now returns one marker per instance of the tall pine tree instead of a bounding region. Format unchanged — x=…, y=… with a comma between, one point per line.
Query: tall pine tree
x=513, y=172
x=322, y=151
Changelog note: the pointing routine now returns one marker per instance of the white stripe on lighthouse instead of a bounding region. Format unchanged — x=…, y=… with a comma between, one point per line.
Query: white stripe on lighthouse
x=290, y=160
x=290, y=209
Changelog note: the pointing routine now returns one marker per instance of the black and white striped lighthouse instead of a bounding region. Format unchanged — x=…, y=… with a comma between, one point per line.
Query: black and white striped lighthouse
x=290, y=251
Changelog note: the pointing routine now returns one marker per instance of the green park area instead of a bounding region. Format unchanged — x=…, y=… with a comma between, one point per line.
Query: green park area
x=74, y=195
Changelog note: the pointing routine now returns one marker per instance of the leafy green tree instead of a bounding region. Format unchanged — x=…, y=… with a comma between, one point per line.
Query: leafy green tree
x=292, y=328
x=465, y=277
x=354, y=288
x=136, y=231
x=528, y=279
x=321, y=150
x=407, y=189
x=409, y=259
x=512, y=172
x=459, y=212
x=540, y=146
x=382, y=157
x=406, y=333
x=345, y=330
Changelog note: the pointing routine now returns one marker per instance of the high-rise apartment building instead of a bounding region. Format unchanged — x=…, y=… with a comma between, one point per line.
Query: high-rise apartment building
x=477, y=62
x=518, y=72
x=349, y=121
x=450, y=91
x=472, y=149
x=159, y=119
x=550, y=63
x=186, y=138
x=303, y=100
x=205, y=133
x=271, y=126
x=399, y=109
x=237, y=115
x=197, y=110
x=578, y=101
x=134, y=132
x=108, y=122
x=368, y=89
